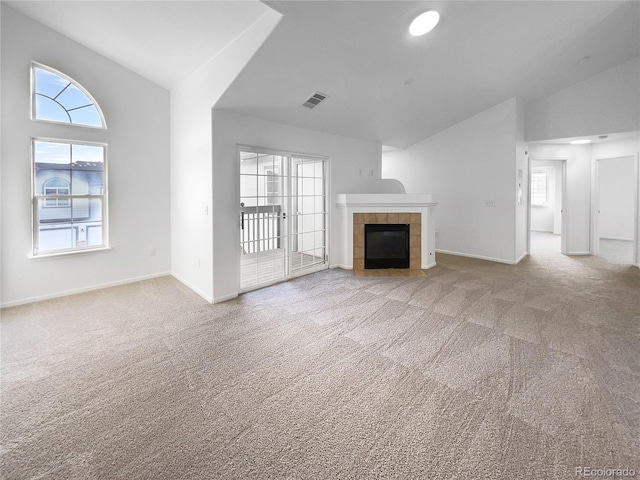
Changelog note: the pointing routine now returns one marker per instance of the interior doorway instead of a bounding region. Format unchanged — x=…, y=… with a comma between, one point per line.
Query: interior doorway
x=283, y=216
x=615, y=229
x=547, y=206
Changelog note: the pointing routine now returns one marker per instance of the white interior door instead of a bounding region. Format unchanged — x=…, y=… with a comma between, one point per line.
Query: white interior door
x=615, y=219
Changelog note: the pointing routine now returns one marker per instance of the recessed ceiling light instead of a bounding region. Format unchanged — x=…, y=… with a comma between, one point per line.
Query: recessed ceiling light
x=424, y=23
x=580, y=142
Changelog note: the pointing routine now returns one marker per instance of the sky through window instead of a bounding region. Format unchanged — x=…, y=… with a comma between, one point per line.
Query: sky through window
x=57, y=98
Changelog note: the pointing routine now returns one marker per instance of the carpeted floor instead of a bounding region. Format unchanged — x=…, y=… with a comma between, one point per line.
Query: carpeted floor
x=476, y=371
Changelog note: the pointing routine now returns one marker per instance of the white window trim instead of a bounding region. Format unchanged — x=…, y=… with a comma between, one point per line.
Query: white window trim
x=35, y=65
x=35, y=196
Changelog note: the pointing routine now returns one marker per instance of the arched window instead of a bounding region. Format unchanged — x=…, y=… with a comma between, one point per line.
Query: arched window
x=52, y=189
x=60, y=99
x=69, y=187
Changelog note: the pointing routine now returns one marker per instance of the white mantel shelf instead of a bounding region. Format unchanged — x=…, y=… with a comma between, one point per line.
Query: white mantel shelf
x=387, y=199
x=423, y=203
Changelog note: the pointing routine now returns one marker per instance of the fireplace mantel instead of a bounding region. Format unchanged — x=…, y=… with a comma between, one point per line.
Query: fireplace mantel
x=387, y=199
x=381, y=203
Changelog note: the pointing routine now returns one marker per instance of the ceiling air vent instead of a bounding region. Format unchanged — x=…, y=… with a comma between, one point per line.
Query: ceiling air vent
x=314, y=100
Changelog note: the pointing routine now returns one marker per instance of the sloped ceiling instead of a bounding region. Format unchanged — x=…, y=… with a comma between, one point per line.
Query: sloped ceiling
x=163, y=41
x=386, y=86
x=383, y=85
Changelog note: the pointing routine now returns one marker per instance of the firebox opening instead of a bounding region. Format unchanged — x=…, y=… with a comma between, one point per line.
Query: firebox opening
x=386, y=246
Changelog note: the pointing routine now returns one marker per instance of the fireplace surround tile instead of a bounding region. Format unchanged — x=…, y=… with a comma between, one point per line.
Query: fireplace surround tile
x=381, y=218
x=404, y=218
x=415, y=228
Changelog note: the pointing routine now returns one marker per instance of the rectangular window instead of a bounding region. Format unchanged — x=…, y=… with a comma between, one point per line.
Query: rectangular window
x=539, y=189
x=69, y=196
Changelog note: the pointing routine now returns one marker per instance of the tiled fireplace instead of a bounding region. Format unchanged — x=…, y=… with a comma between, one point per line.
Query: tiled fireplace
x=416, y=210
x=414, y=220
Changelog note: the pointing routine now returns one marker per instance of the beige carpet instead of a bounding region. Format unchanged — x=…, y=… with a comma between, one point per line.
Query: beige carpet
x=476, y=371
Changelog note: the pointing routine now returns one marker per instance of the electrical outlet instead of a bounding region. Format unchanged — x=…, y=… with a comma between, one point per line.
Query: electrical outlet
x=489, y=203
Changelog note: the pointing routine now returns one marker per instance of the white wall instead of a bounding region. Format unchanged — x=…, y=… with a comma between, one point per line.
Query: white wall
x=542, y=217
x=353, y=168
x=549, y=218
x=468, y=164
x=137, y=115
x=521, y=181
x=608, y=102
x=191, y=156
x=578, y=193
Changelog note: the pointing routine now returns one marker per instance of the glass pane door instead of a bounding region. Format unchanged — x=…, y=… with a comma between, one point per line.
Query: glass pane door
x=263, y=226
x=274, y=244
x=308, y=213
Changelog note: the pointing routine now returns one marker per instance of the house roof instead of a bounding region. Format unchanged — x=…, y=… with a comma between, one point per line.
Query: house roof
x=84, y=166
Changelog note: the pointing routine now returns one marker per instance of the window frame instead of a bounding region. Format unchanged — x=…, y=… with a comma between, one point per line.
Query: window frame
x=534, y=201
x=36, y=196
x=33, y=94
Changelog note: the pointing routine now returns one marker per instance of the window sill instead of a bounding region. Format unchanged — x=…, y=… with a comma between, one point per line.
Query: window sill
x=72, y=252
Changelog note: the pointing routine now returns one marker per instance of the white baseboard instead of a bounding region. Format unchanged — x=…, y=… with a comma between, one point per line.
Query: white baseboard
x=91, y=288
x=338, y=265
x=479, y=257
x=208, y=298
x=224, y=298
x=617, y=238
x=579, y=253
x=427, y=267
x=525, y=254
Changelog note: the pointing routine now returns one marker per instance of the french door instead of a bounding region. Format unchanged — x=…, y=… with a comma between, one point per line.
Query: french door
x=283, y=216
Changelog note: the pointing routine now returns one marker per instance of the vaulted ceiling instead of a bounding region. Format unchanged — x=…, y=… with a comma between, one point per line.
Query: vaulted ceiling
x=163, y=41
x=386, y=86
x=383, y=85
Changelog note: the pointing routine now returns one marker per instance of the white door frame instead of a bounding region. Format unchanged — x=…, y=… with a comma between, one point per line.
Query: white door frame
x=289, y=155
x=564, y=214
x=595, y=204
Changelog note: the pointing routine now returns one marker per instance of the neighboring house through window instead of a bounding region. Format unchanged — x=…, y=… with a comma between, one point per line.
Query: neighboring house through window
x=69, y=177
x=54, y=188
